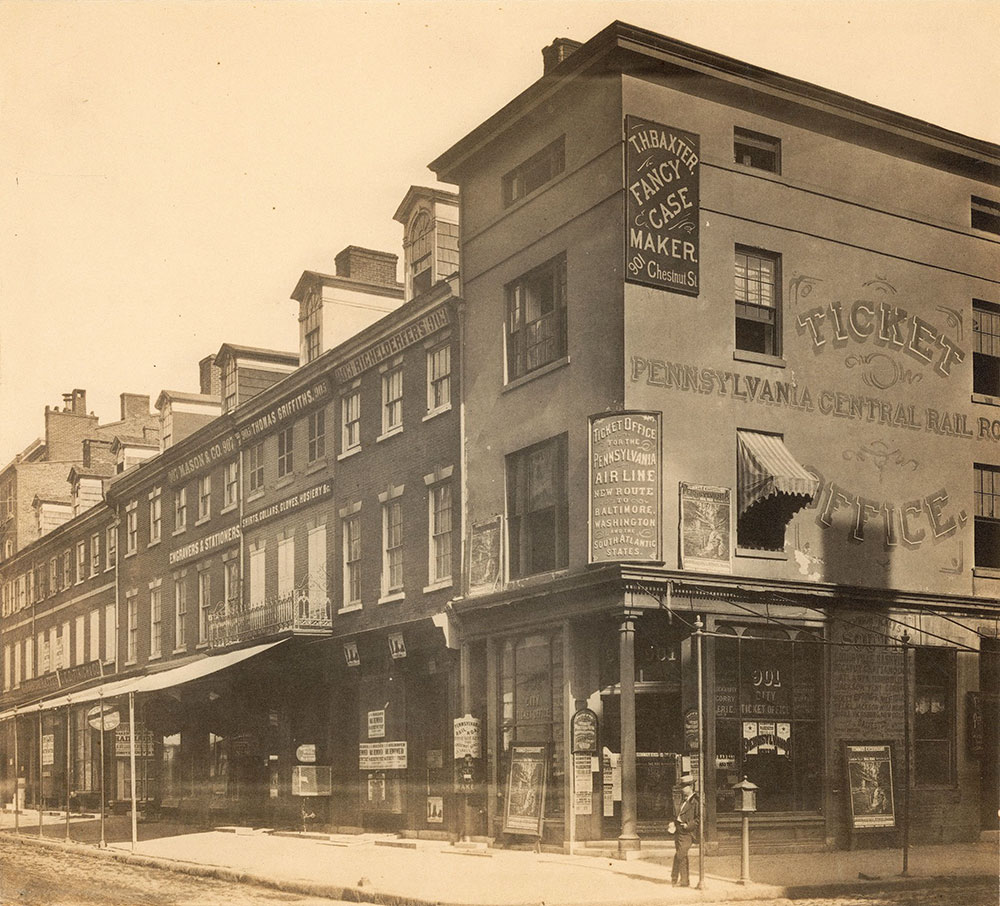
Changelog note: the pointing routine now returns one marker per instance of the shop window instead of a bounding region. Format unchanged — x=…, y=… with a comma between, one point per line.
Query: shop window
x=255, y=466
x=534, y=172
x=180, y=509
x=86, y=756
x=986, y=492
x=985, y=348
x=392, y=399
x=537, y=508
x=985, y=215
x=934, y=716
x=317, y=435
x=754, y=149
x=440, y=533
x=350, y=406
x=758, y=301
x=768, y=716
x=285, y=461
x=155, y=516
x=536, y=318
x=439, y=378
x=204, y=497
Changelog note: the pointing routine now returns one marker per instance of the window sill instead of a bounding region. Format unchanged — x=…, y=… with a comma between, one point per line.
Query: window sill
x=522, y=581
x=758, y=358
x=182, y=650
x=537, y=373
x=154, y=543
x=130, y=663
x=200, y=646
x=129, y=554
x=348, y=608
x=203, y=520
x=153, y=657
x=228, y=508
x=434, y=413
x=284, y=481
x=349, y=453
x=256, y=495
x=761, y=555
x=392, y=596
x=179, y=531
x=437, y=586
x=392, y=432
x=986, y=572
x=986, y=399
x=316, y=466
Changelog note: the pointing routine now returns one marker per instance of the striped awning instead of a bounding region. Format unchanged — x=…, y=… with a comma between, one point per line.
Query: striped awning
x=766, y=468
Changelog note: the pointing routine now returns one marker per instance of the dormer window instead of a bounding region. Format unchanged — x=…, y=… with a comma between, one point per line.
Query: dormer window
x=420, y=253
x=311, y=319
x=229, y=386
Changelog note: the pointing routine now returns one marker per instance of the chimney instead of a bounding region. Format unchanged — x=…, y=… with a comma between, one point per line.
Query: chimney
x=210, y=377
x=134, y=405
x=367, y=266
x=556, y=52
x=75, y=402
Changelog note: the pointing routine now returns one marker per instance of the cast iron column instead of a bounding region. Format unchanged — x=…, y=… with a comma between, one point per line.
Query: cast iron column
x=629, y=839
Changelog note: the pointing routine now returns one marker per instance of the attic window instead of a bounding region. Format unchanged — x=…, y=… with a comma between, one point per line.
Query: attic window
x=985, y=215
x=754, y=149
x=535, y=171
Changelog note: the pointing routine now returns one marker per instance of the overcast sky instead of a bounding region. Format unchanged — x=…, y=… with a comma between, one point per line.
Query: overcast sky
x=168, y=170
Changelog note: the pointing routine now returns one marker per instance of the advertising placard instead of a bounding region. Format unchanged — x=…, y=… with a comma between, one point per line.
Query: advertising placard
x=868, y=767
x=468, y=737
x=583, y=782
x=625, y=491
x=484, y=554
x=584, y=732
x=705, y=524
x=382, y=756
x=376, y=724
x=524, y=808
x=662, y=206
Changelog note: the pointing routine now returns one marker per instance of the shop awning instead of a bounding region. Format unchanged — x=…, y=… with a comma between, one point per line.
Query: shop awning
x=147, y=682
x=767, y=469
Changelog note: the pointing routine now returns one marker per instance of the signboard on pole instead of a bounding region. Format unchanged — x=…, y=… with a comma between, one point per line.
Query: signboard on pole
x=112, y=717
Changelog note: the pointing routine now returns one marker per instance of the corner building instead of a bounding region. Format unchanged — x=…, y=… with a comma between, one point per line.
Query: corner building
x=731, y=390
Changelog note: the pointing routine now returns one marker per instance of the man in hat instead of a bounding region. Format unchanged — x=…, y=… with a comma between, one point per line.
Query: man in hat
x=687, y=831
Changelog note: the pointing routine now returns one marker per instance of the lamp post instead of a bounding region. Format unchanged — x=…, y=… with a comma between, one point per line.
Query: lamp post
x=746, y=805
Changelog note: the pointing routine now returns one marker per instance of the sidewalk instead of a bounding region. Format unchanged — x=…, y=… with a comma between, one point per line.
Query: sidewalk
x=380, y=868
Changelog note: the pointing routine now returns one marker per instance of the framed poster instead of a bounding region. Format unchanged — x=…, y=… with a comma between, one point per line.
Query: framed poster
x=524, y=809
x=868, y=768
x=706, y=542
x=584, y=732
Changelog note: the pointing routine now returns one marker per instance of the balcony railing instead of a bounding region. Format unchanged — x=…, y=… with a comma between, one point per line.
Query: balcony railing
x=233, y=622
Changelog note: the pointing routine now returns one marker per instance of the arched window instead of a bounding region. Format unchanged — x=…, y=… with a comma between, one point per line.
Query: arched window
x=420, y=253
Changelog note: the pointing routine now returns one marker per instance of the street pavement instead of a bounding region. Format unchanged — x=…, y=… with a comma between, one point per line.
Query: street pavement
x=381, y=868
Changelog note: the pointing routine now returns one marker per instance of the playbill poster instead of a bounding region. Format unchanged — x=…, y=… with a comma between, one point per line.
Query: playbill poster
x=706, y=544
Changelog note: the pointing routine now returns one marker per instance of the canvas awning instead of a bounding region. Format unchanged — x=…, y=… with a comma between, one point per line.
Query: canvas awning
x=766, y=469
x=147, y=682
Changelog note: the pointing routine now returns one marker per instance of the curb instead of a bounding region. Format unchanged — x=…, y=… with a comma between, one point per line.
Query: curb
x=752, y=892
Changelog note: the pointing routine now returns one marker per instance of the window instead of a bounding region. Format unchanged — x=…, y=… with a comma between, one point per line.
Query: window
x=257, y=577
x=132, y=626
x=536, y=318
x=204, y=604
x=111, y=633
x=985, y=215
x=231, y=580
x=985, y=348
x=392, y=547
x=229, y=386
x=392, y=399
x=155, y=516
x=67, y=566
x=537, y=508
x=310, y=317
x=312, y=344
x=231, y=487
x=439, y=378
x=934, y=715
x=534, y=172
x=440, y=533
x=350, y=406
x=53, y=576
x=255, y=466
x=29, y=654
x=111, y=547
x=285, y=452
x=180, y=612
x=131, y=528
x=318, y=602
x=286, y=568
x=204, y=497
x=420, y=253
x=180, y=509
x=317, y=435
x=986, y=492
x=754, y=149
x=95, y=635
x=81, y=561
x=758, y=321
x=352, y=560
x=95, y=555
x=155, y=621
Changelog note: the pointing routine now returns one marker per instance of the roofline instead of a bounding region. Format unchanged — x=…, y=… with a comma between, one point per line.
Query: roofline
x=272, y=356
x=375, y=289
x=446, y=195
x=622, y=36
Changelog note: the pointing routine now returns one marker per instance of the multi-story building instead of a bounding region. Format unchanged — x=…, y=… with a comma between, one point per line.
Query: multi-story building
x=742, y=402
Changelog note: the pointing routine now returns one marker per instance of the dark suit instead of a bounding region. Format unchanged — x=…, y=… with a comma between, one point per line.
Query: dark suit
x=687, y=833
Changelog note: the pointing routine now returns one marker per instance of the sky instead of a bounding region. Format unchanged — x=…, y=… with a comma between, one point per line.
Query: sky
x=169, y=169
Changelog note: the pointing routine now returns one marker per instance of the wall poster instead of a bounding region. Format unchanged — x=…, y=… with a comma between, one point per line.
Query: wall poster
x=484, y=554
x=706, y=542
x=524, y=809
x=662, y=208
x=869, y=778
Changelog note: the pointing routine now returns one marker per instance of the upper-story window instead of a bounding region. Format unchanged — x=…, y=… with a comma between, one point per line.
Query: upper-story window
x=312, y=321
x=420, y=253
x=131, y=626
x=317, y=435
x=440, y=532
x=67, y=566
x=535, y=171
x=255, y=466
x=754, y=149
x=986, y=492
x=110, y=547
x=81, y=560
x=985, y=348
x=231, y=485
x=350, y=406
x=229, y=386
x=204, y=497
x=131, y=527
x=95, y=554
x=8, y=498
x=180, y=509
x=351, y=528
x=285, y=463
x=392, y=546
x=985, y=215
x=155, y=516
x=536, y=318
x=392, y=399
x=538, y=508
x=758, y=301
x=53, y=576
x=155, y=619
x=439, y=377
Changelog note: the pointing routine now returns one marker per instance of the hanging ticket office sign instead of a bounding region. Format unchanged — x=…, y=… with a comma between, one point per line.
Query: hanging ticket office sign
x=662, y=207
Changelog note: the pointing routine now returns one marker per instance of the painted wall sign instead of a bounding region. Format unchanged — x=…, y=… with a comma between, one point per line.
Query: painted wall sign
x=263, y=423
x=413, y=333
x=288, y=505
x=661, y=195
x=382, y=756
x=224, y=447
x=869, y=782
x=706, y=528
x=204, y=545
x=625, y=471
